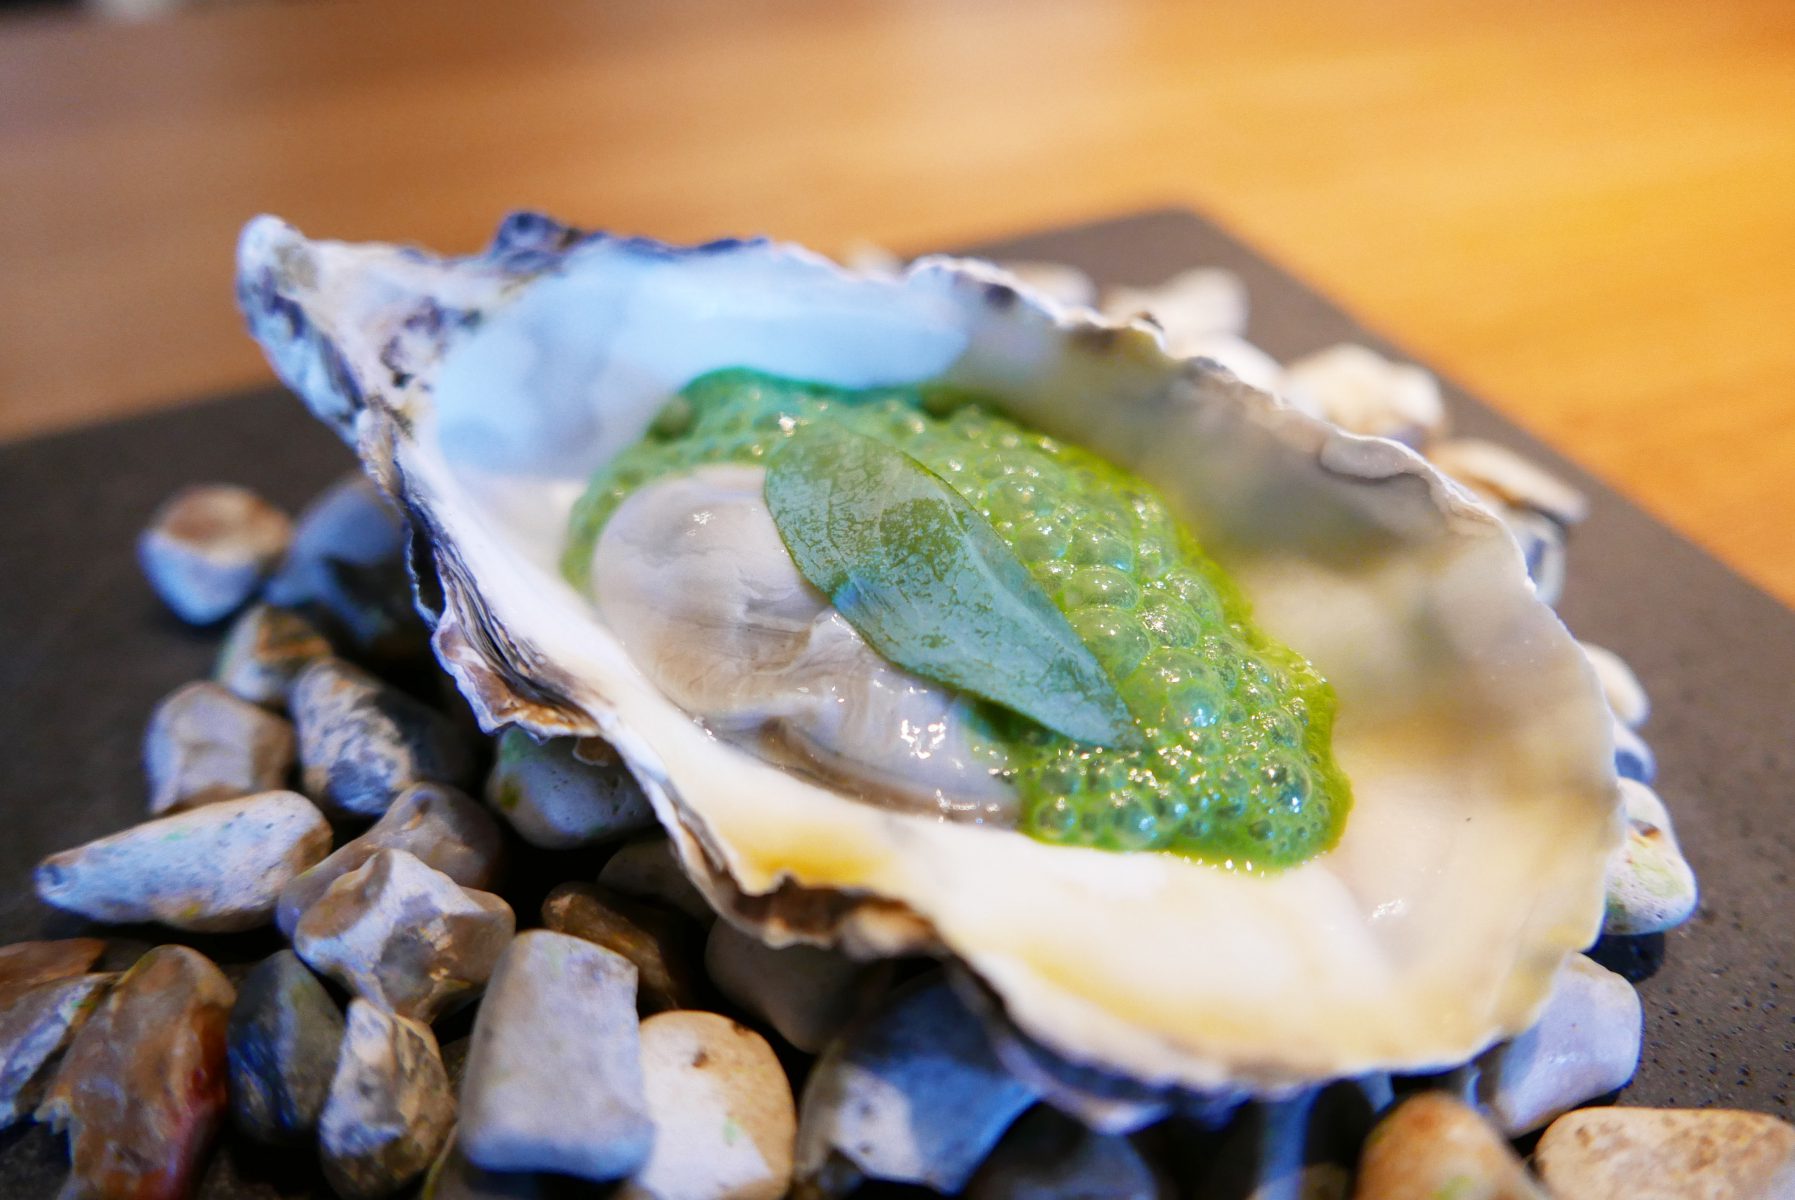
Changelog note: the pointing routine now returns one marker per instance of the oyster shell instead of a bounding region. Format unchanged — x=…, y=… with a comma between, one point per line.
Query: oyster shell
x=481, y=392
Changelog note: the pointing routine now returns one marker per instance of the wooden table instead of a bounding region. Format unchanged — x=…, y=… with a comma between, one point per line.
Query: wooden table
x=1584, y=210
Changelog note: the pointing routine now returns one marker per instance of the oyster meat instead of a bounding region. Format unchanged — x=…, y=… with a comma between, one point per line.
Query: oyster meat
x=484, y=394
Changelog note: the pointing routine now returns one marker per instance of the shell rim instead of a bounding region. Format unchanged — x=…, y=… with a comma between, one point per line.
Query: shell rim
x=520, y=688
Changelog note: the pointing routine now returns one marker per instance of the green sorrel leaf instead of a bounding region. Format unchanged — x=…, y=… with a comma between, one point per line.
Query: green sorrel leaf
x=926, y=580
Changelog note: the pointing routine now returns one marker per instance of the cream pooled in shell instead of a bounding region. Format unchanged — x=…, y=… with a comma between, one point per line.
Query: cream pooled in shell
x=482, y=392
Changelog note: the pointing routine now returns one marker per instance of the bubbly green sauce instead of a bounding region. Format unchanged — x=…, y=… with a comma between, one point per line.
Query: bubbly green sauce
x=1235, y=766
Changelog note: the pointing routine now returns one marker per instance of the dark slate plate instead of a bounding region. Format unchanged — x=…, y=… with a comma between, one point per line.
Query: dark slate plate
x=85, y=652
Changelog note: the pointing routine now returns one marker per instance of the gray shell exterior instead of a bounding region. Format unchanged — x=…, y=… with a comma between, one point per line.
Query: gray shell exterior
x=1420, y=940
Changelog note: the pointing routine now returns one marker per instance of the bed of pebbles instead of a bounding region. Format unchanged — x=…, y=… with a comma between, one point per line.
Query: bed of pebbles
x=500, y=984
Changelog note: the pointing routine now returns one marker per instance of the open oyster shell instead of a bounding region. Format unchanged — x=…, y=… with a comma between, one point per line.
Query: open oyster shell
x=481, y=392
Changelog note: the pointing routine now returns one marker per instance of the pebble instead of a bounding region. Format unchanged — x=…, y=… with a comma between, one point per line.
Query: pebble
x=648, y=868
x=557, y=801
x=1542, y=548
x=285, y=1035
x=1095, y=1110
x=142, y=1089
x=264, y=652
x=1651, y=887
x=1300, y=1147
x=404, y=936
x=1363, y=392
x=216, y=869
x=1432, y=1146
x=912, y=1094
x=209, y=547
x=347, y=563
x=1188, y=305
x=870, y=258
x=806, y=993
x=204, y=744
x=1633, y=759
x=389, y=1111
x=1626, y=695
x=1245, y=361
x=1060, y=283
x=1584, y=1045
x=35, y=1025
x=1047, y=1156
x=723, y=1113
x=361, y=742
x=24, y=965
x=1494, y=469
x=1668, y=1154
x=1098, y=1100
x=554, y=1076
x=661, y=944
x=442, y=827
x=453, y=1177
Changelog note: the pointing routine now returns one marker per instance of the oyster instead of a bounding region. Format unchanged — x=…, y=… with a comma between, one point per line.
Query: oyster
x=483, y=392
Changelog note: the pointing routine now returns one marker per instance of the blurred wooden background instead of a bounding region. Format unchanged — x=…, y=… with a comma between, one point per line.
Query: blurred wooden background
x=1585, y=209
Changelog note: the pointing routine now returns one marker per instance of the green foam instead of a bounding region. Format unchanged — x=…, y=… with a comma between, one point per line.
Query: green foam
x=1236, y=767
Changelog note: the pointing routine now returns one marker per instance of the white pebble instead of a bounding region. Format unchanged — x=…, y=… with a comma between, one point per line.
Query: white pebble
x=1668, y=1154
x=404, y=936
x=1584, y=1045
x=1191, y=304
x=1363, y=392
x=1651, y=887
x=723, y=1112
x=362, y=742
x=205, y=744
x=1626, y=695
x=870, y=258
x=265, y=650
x=215, y=869
x=390, y=1111
x=443, y=828
x=1433, y=1147
x=209, y=547
x=554, y=1074
x=1245, y=361
x=1495, y=469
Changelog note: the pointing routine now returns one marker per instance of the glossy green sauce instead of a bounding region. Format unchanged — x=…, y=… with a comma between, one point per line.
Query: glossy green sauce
x=1235, y=768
